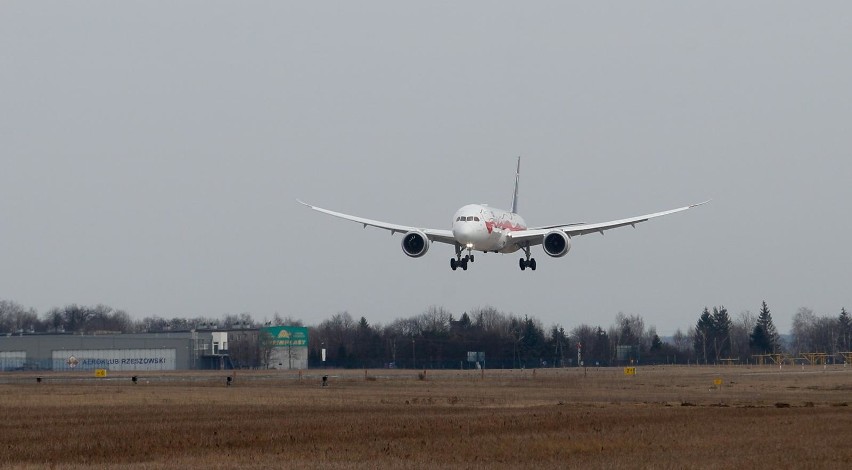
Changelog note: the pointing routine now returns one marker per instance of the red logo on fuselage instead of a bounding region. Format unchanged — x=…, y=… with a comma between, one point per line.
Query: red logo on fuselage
x=503, y=225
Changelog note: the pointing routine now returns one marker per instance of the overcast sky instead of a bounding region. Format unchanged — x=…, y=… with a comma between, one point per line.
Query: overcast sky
x=151, y=154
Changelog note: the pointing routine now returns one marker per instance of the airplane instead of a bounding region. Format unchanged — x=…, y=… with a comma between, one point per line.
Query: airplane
x=478, y=227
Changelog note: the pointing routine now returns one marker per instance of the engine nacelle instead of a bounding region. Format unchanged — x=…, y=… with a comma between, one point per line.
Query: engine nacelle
x=415, y=244
x=556, y=243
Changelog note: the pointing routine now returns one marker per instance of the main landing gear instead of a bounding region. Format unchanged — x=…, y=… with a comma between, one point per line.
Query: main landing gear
x=527, y=263
x=458, y=261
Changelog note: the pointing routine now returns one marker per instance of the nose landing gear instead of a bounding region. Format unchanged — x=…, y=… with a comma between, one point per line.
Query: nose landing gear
x=458, y=261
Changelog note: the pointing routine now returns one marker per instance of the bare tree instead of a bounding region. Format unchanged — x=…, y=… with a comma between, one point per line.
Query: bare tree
x=55, y=320
x=803, y=322
x=629, y=331
x=76, y=318
x=120, y=321
x=278, y=320
x=265, y=345
x=15, y=318
x=681, y=342
x=812, y=333
x=242, y=349
x=490, y=320
x=740, y=332
x=434, y=320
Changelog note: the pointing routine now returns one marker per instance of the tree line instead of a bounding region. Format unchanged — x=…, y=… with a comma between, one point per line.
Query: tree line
x=437, y=338
x=717, y=337
x=103, y=319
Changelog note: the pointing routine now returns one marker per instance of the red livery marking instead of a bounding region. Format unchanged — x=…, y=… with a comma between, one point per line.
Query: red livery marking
x=509, y=227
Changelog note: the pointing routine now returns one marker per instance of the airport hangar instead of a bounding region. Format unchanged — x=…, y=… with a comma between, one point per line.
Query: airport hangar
x=179, y=350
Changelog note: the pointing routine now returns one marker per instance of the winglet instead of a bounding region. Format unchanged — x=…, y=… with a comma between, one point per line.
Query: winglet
x=515, y=194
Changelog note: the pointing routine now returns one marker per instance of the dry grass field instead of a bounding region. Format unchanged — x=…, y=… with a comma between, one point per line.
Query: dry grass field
x=663, y=417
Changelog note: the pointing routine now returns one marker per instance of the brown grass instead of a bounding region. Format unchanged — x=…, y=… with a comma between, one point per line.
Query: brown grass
x=451, y=419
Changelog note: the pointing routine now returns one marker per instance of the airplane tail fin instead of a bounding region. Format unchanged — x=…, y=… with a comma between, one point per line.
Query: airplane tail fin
x=515, y=194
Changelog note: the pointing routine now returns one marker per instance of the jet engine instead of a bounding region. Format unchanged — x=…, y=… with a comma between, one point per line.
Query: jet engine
x=415, y=244
x=556, y=243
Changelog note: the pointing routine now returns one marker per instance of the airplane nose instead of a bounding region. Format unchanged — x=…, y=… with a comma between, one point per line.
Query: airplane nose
x=465, y=233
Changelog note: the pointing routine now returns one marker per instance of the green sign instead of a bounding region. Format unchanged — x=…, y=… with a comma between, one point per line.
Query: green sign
x=287, y=336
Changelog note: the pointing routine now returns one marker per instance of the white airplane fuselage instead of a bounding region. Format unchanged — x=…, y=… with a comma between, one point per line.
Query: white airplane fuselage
x=478, y=227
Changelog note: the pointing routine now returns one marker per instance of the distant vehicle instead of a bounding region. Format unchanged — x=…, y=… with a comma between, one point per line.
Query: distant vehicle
x=478, y=227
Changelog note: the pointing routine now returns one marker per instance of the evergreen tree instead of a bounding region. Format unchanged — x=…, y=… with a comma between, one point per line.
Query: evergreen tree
x=602, y=354
x=464, y=321
x=556, y=343
x=532, y=342
x=845, y=331
x=656, y=343
x=758, y=341
x=703, y=339
x=764, y=338
x=713, y=334
x=721, y=332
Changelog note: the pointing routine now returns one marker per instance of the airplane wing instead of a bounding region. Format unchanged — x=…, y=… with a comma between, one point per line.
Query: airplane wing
x=435, y=235
x=534, y=236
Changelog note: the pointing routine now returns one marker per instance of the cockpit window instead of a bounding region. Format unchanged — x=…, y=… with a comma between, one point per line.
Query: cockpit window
x=476, y=219
x=470, y=218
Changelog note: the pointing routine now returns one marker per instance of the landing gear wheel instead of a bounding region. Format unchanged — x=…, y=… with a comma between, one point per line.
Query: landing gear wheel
x=453, y=264
x=464, y=264
x=471, y=258
x=528, y=262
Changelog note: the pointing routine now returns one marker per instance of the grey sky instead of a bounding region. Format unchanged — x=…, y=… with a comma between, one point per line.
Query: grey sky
x=151, y=154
